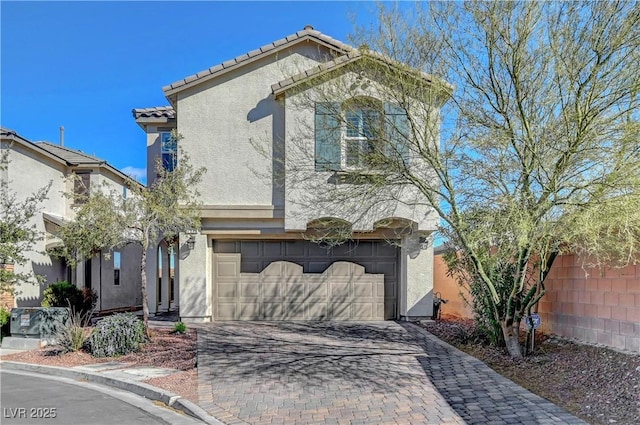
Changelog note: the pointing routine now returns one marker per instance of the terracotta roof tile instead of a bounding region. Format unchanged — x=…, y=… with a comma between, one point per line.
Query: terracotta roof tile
x=307, y=33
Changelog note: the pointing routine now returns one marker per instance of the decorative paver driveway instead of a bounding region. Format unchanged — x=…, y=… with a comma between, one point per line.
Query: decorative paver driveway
x=353, y=373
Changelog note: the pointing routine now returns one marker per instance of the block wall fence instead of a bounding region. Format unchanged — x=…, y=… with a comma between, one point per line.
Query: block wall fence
x=593, y=306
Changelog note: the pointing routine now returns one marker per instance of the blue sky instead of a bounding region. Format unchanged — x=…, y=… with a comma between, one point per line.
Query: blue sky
x=86, y=65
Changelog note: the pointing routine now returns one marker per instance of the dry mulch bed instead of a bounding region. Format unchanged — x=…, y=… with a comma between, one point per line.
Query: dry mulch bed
x=598, y=384
x=166, y=349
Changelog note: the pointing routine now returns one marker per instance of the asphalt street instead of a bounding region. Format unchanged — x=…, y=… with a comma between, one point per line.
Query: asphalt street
x=28, y=398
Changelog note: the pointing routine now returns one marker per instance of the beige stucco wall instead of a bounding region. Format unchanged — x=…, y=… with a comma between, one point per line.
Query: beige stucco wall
x=416, y=265
x=43, y=169
x=228, y=121
x=196, y=280
x=310, y=194
x=26, y=173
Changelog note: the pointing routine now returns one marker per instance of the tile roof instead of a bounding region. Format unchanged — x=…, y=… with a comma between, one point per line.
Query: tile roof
x=62, y=154
x=7, y=132
x=72, y=156
x=155, y=112
x=350, y=57
x=308, y=33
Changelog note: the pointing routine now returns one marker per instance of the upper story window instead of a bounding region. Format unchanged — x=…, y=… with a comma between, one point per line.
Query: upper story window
x=81, y=187
x=361, y=133
x=169, y=150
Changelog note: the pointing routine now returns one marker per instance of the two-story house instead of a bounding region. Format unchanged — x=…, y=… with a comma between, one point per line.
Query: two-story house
x=280, y=131
x=30, y=166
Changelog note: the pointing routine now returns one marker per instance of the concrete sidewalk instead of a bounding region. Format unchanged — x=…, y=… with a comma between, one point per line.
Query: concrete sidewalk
x=119, y=375
x=122, y=376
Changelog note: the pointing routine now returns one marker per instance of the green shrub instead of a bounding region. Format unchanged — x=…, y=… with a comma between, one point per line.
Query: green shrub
x=64, y=294
x=5, y=315
x=117, y=335
x=180, y=328
x=74, y=335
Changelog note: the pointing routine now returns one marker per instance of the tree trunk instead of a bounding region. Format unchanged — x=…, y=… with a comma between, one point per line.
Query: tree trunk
x=512, y=340
x=143, y=287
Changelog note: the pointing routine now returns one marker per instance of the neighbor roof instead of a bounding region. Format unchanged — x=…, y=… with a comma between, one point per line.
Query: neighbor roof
x=71, y=156
x=67, y=156
x=307, y=34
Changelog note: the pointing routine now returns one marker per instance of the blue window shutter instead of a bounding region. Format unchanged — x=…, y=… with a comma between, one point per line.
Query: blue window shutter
x=327, y=146
x=398, y=131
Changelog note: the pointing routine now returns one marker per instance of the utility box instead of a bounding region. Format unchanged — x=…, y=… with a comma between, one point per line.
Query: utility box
x=25, y=321
x=38, y=322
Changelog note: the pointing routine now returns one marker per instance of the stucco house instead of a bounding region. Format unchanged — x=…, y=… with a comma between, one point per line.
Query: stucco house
x=269, y=128
x=31, y=166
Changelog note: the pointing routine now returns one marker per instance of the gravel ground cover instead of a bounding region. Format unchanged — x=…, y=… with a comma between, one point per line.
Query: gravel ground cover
x=166, y=349
x=600, y=385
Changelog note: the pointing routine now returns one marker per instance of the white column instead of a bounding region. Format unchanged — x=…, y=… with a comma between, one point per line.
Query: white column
x=195, y=282
x=164, y=282
x=416, y=278
x=78, y=277
x=176, y=277
x=152, y=279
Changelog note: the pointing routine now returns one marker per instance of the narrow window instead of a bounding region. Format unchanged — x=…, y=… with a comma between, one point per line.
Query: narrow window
x=81, y=186
x=116, y=268
x=169, y=149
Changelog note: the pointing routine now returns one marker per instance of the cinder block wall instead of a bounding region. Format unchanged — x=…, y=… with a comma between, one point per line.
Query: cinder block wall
x=594, y=306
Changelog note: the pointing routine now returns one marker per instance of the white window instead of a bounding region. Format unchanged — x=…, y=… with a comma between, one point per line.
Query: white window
x=362, y=133
x=169, y=150
x=359, y=141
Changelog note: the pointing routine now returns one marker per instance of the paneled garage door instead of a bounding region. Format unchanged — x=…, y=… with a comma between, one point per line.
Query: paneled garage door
x=300, y=280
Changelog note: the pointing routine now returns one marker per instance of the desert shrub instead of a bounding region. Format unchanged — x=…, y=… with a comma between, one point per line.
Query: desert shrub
x=180, y=328
x=74, y=335
x=117, y=335
x=64, y=294
x=5, y=315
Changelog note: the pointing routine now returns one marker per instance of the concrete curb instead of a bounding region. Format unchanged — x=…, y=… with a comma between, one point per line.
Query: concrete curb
x=148, y=391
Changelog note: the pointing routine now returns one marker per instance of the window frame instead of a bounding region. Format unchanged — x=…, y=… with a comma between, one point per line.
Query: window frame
x=81, y=187
x=334, y=141
x=171, y=161
x=363, y=141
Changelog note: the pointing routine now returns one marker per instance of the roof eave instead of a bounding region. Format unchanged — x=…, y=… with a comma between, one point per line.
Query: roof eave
x=143, y=122
x=15, y=137
x=214, y=72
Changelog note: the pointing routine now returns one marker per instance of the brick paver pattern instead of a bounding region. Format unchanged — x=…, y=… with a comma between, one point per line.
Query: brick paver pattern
x=353, y=373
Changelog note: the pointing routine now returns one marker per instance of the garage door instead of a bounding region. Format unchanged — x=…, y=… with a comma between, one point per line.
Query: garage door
x=300, y=280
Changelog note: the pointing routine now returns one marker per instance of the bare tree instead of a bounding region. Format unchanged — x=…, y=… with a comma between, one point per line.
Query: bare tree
x=167, y=206
x=516, y=122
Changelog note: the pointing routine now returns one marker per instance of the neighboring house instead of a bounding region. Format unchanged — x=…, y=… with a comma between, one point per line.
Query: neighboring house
x=253, y=258
x=116, y=279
